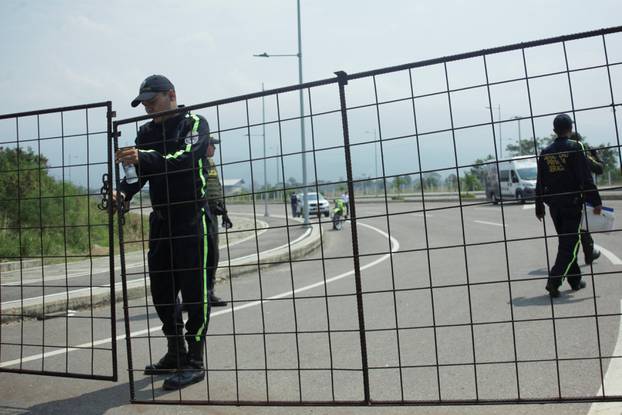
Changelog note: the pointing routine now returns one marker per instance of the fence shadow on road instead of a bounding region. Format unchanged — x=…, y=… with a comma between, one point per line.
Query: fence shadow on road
x=97, y=402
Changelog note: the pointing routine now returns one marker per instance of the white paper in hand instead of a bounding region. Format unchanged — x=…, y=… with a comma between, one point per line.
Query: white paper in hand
x=597, y=223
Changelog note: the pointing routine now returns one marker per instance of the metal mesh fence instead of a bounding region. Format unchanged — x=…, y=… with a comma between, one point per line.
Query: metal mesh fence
x=56, y=245
x=428, y=287
x=433, y=290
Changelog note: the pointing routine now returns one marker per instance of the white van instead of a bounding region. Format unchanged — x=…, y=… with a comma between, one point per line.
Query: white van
x=516, y=179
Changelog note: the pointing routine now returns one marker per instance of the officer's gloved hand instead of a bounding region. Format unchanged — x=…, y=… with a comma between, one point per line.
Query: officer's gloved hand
x=226, y=222
x=220, y=208
x=118, y=198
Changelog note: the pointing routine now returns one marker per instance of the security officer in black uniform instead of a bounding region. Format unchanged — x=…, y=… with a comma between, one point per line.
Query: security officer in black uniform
x=596, y=167
x=217, y=207
x=170, y=155
x=564, y=184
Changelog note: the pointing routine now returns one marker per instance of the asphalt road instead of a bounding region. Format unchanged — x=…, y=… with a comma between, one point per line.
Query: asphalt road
x=28, y=283
x=455, y=341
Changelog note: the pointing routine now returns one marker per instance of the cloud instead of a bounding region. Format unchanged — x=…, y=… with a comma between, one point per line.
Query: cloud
x=204, y=39
x=90, y=26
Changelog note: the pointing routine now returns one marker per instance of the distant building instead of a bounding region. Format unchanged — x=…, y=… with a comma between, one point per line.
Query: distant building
x=233, y=186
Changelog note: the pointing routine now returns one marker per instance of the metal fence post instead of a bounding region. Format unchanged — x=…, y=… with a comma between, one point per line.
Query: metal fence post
x=342, y=79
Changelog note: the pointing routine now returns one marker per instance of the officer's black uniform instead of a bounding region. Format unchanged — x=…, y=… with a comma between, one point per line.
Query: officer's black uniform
x=564, y=183
x=294, y=202
x=172, y=155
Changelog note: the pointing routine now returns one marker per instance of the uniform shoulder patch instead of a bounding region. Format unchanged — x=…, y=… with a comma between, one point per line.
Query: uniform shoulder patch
x=191, y=138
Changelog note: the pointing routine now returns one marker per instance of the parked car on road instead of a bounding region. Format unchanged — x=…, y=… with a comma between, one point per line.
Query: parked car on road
x=318, y=205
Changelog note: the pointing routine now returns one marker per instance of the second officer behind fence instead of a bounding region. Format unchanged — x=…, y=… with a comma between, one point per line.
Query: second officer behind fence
x=170, y=155
x=217, y=207
x=564, y=184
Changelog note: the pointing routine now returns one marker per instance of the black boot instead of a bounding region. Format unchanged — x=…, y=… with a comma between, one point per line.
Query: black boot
x=592, y=257
x=175, y=357
x=215, y=301
x=192, y=372
x=553, y=288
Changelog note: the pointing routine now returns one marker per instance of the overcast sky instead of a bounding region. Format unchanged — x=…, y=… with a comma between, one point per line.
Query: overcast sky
x=57, y=53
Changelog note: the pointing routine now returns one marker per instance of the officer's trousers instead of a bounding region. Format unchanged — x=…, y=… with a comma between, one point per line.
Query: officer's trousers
x=587, y=243
x=567, y=221
x=177, y=258
x=213, y=254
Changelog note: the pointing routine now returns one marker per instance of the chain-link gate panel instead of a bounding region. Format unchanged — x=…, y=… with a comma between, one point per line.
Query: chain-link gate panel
x=56, y=243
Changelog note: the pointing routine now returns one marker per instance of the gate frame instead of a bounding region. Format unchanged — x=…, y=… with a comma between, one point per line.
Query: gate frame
x=107, y=193
x=342, y=80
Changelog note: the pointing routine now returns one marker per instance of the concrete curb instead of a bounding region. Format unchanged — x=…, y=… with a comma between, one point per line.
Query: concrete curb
x=91, y=297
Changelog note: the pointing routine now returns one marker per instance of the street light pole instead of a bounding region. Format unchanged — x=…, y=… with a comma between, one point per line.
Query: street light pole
x=302, y=122
x=498, y=107
x=520, y=149
x=375, y=157
x=265, y=168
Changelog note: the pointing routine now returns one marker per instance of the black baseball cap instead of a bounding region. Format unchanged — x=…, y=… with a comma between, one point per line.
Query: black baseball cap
x=213, y=140
x=562, y=123
x=151, y=86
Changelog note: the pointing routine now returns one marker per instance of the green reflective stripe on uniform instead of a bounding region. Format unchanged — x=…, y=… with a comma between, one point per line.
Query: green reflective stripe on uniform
x=204, y=275
x=195, y=129
x=574, y=251
x=178, y=153
x=203, y=182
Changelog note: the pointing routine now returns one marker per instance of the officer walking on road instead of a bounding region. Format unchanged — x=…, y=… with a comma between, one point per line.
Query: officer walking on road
x=170, y=154
x=216, y=207
x=596, y=167
x=564, y=184
x=293, y=199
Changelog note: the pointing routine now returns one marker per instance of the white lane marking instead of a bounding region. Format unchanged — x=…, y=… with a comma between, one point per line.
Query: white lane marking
x=295, y=241
x=64, y=294
x=483, y=222
x=395, y=246
x=427, y=215
x=610, y=255
x=529, y=206
x=612, y=381
x=264, y=226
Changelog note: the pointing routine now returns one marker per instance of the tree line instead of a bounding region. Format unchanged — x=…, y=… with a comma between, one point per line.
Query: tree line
x=41, y=216
x=474, y=178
